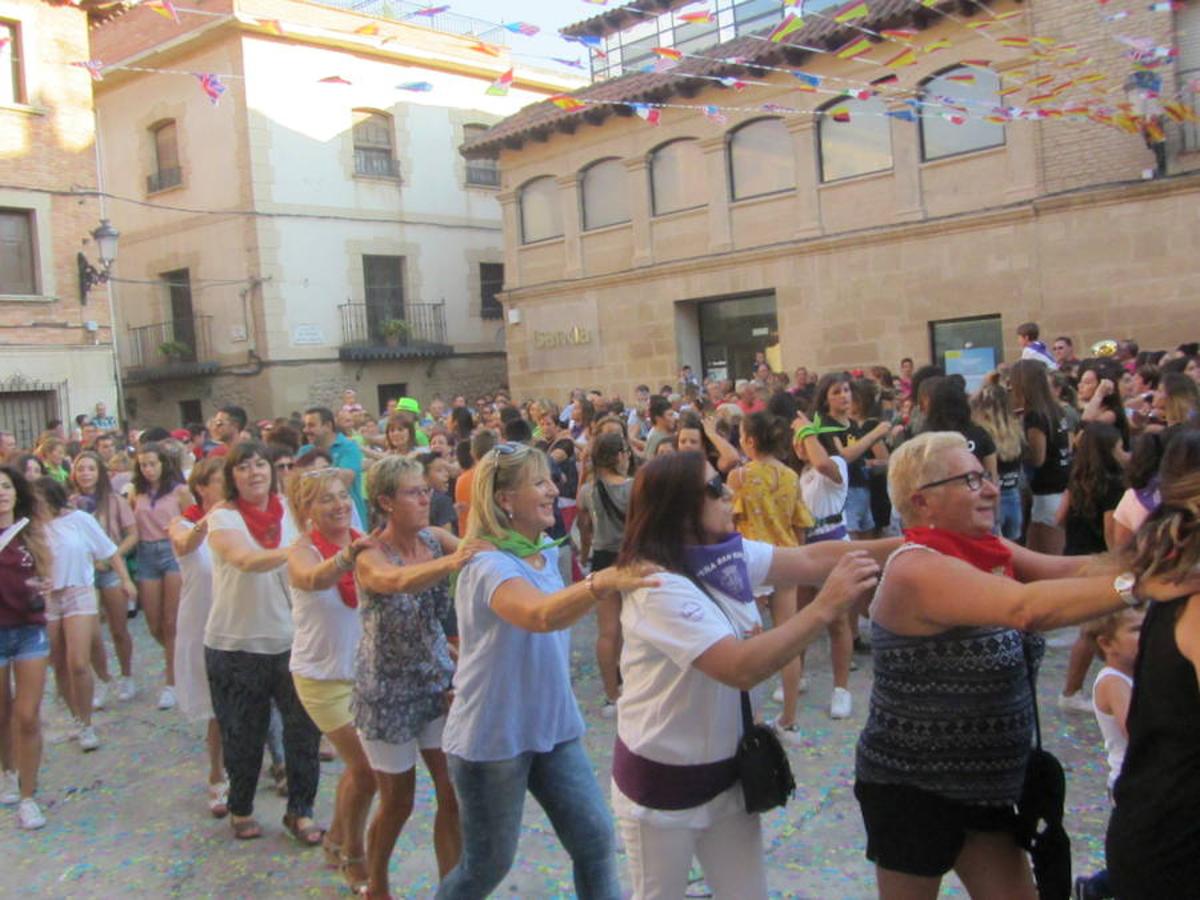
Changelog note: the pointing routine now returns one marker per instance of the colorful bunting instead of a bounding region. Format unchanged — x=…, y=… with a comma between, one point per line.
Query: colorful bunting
x=808, y=80
x=370, y=29
x=934, y=46
x=485, y=49
x=1014, y=40
x=430, y=11
x=962, y=78
x=164, y=8
x=903, y=35
x=906, y=57
x=904, y=115
x=567, y=102
x=854, y=48
x=499, y=87
x=651, y=114
x=572, y=63
x=668, y=53
x=790, y=24
x=697, y=18
x=92, y=65
x=211, y=85
x=851, y=11
x=332, y=79
x=714, y=115
x=1165, y=7
x=271, y=26
x=839, y=114
x=522, y=28
x=418, y=87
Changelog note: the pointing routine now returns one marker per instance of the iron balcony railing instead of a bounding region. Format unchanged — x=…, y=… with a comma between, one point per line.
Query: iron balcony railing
x=179, y=343
x=483, y=174
x=163, y=179
x=375, y=165
x=383, y=325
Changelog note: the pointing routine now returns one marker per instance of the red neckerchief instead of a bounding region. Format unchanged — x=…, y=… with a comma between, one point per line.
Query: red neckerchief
x=263, y=524
x=328, y=548
x=988, y=554
x=193, y=513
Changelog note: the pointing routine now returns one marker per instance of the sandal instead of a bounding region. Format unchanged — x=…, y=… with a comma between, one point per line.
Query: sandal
x=246, y=829
x=365, y=892
x=356, y=885
x=218, y=799
x=309, y=835
x=332, y=851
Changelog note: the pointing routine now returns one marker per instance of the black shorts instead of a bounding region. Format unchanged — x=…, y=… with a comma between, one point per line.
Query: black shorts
x=918, y=833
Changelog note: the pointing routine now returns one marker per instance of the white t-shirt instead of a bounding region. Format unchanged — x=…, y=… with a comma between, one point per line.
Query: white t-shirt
x=824, y=497
x=77, y=541
x=1115, y=742
x=669, y=710
x=251, y=610
x=327, y=633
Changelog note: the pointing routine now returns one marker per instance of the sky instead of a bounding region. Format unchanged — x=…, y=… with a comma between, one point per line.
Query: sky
x=548, y=15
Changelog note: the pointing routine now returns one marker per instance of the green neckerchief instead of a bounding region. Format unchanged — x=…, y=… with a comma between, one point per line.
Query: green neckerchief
x=817, y=428
x=521, y=546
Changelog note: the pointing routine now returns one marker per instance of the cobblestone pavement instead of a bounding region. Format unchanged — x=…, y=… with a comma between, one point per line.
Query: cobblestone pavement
x=131, y=820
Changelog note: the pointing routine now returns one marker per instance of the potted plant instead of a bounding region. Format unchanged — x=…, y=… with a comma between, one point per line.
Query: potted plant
x=394, y=331
x=174, y=350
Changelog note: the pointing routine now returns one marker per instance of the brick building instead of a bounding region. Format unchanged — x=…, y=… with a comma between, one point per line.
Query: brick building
x=56, y=347
x=967, y=167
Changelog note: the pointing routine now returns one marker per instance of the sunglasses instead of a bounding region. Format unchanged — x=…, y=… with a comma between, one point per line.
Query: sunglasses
x=973, y=480
x=715, y=487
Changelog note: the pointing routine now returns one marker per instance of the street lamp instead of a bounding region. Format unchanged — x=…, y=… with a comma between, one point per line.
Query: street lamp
x=105, y=237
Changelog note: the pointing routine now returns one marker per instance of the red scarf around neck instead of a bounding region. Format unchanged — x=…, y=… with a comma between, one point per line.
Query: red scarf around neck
x=988, y=554
x=328, y=548
x=193, y=513
x=264, y=524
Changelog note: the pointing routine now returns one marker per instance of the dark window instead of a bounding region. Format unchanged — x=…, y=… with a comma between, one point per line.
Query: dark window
x=190, y=411
x=183, y=317
x=167, y=172
x=491, y=281
x=970, y=347
x=373, y=153
x=383, y=283
x=480, y=172
x=18, y=274
x=12, y=85
x=392, y=391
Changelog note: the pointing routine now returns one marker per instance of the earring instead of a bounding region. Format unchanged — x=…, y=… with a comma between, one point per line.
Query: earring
x=508, y=513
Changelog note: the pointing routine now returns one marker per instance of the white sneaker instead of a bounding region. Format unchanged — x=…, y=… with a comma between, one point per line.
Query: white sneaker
x=100, y=695
x=841, y=704
x=166, y=700
x=801, y=688
x=789, y=733
x=29, y=815
x=88, y=740
x=1076, y=702
x=70, y=734
x=608, y=710
x=126, y=689
x=10, y=788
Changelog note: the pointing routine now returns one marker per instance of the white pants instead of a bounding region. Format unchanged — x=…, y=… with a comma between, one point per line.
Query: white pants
x=730, y=851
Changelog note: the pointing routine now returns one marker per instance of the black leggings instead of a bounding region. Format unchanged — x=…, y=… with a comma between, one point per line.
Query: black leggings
x=242, y=687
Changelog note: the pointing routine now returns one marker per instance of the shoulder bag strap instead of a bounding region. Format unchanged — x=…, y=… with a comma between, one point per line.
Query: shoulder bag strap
x=747, y=710
x=1037, y=725
x=607, y=501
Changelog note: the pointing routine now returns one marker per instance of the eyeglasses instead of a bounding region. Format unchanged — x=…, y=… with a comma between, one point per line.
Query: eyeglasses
x=973, y=480
x=715, y=487
x=417, y=493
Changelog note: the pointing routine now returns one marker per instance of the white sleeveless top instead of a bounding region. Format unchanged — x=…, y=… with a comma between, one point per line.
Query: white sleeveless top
x=326, y=634
x=1114, y=741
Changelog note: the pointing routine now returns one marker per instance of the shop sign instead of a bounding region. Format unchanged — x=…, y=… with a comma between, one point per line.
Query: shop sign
x=545, y=340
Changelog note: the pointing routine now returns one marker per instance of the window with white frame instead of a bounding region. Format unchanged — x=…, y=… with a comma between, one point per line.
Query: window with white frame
x=605, y=188
x=541, y=211
x=954, y=104
x=677, y=179
x=856, y=143
x=12, y=82
x=762, y=159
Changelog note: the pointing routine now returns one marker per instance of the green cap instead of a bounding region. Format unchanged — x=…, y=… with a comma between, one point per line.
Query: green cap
x=408, y=404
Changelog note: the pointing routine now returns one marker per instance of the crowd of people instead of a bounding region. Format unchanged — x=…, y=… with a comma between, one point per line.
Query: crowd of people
x=383, y=588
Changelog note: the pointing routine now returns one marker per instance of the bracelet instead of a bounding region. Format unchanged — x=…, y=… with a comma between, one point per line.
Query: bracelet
x=343, y=561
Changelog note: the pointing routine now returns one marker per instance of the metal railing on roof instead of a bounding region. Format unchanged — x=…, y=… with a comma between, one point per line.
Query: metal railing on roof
x=447, y=22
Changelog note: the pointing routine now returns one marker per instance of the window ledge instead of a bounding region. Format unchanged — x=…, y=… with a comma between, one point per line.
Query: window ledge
x=542, y=242
x=966, y=154
x=489, y=188
x=762, y=198
x=604, y=229
x=24, y=109
x=857, y=179
x=28, y=298
x=385, y=179
x=678, y=213
x=167, y=190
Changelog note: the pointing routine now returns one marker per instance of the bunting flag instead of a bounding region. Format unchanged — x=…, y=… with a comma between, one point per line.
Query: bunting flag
x=211, y=85
x=850, y=12
x=271, y=26
x=418, y=87
x=809, y=82
x=854, y=48
x=499, y=87
x=962, y=78
x=980, y=25
x=1014, y=40
x=522, y=28
x=332, y=79
x=859, y=93
x=697, y=18
x=955, y=118
x=429, y=11
x=934, y=46
x=4, y=42
x=92, y=65
x=734, y=83
x=903, y=35
x=668, y=53
x=906, y=57
x=839, y=114
x=485, y=49
x=714, y=115
x=567, y=102
x=571, y=63
x=888, y=79
x=904, y=115
x=1165, y=7
x=164, y=8
x=651, y=114
x=790, y=24
x=370, y=29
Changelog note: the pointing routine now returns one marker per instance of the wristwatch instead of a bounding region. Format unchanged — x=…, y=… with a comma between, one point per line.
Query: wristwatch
x=1124, y=584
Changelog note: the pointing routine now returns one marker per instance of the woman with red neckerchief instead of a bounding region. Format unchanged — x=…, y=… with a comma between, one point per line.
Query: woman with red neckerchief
x=248, y=643
x=328, y=626
x=941, y=762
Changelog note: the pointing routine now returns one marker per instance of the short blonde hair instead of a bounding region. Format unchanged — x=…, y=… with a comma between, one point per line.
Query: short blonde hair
x=919, y=462
x=506, y=467
x=304, y=489
x=385, y=476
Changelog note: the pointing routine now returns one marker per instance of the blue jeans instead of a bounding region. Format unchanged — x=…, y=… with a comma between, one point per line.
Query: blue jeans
x=491, y=798
x=1008, y=514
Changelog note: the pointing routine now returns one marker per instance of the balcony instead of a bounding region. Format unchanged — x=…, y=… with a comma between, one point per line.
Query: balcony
x=483, y=173
x=165, y=351
x=373, y=164
x=380, y=331
x=163, y=179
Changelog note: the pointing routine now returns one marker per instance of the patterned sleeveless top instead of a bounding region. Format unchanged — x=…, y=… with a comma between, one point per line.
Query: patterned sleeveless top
x=950, y=713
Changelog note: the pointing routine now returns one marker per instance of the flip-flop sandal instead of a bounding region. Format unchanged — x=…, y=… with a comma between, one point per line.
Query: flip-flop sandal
x=356, y=885
x=308, y=836
x=246, y=829
x=333, y=853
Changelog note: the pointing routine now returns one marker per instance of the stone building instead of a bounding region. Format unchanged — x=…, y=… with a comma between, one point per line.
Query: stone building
x=313, y=226
x=915, y=179
x=56, y=341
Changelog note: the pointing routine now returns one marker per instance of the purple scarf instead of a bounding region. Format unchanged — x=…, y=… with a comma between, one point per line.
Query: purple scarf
x=721, y=567
x=1150, y=496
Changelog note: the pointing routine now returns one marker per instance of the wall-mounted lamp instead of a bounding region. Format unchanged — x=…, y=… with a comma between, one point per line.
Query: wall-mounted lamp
x=105, y=237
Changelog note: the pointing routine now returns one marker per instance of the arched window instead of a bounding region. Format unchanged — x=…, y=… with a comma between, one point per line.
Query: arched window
x=677, y=176
x=761, y=159
x=855, y=143
x=373, y=154
x=167, y=173
x=605, y=194
x=541, y=211
x=947, y=130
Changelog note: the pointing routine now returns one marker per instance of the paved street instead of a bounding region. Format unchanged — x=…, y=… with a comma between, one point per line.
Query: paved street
x=130, y=820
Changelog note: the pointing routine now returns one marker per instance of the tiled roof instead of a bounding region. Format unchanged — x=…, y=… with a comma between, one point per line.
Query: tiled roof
x=538, y=120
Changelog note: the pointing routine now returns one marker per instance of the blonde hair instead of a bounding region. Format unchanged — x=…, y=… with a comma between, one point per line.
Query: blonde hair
x=506, y=467
x=1106, y=626
x=306, y=487
x=385, y=477
x=990, y=411
x=919, y=462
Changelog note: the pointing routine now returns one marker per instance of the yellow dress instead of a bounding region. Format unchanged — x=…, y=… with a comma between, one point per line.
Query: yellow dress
x=767, y=505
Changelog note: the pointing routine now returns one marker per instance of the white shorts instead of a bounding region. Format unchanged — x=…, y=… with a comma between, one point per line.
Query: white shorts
x=1045, y=509
x=395, y=759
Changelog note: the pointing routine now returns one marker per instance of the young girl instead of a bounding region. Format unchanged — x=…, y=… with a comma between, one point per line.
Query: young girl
x=767, y=507
x=823, y=485
x=94, y=494
x=834, y=404
x=1047, y=452
x=159, y=496
x=990, y=411
x=1115, y=638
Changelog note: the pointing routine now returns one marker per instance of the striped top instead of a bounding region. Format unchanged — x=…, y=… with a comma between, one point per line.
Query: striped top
x=950, y=713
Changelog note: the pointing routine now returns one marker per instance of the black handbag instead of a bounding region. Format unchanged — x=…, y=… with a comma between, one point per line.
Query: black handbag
x=763, y=765
x=1040, y=813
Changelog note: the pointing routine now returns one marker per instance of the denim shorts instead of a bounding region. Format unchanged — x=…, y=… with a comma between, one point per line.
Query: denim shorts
x=858, y=510
x=107, y=579
x=154, y=560
x=20, y=642
x=1044, y=510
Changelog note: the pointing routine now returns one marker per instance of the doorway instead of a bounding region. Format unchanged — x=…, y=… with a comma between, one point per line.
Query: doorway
x=734, y=331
